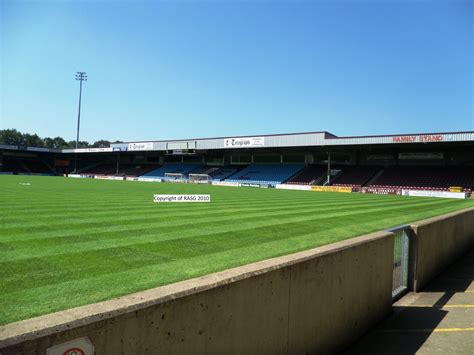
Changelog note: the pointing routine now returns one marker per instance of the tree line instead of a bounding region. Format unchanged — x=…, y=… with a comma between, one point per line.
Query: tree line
x=14, y=137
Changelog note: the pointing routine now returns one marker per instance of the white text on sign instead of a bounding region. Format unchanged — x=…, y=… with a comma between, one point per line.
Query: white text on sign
x=181, y=198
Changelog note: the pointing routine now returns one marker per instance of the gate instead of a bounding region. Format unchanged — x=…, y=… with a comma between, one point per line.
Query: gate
x=400, y=260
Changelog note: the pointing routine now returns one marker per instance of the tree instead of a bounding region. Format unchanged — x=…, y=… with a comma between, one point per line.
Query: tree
x=59, y=143
x=11, y=137
x=14, y=137
x=71, y=144
x=48, y=142
x=32, y=140
x=83, y=144
x=101, y=144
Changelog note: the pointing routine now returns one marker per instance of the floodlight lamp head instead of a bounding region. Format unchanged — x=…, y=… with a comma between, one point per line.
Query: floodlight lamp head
x=81, y=75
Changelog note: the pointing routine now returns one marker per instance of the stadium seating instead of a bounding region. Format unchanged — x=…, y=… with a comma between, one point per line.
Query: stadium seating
x=25, y=166
x=102, y=169
x=203, y=170
x=178, y=168
x=37, y=167
x=124, y=169
x=426, y=178
x=136, y=169
x=355, y=176
x=13, y=166
x=422, y=178
x=225, y=172
x=266, y=173
x=309, y=175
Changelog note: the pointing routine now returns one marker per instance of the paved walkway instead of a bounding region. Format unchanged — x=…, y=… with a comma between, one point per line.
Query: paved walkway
x=439, y=320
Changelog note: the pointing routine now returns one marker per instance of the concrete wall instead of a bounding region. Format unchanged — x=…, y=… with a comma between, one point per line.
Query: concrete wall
x=316, y=301
x=438, y=242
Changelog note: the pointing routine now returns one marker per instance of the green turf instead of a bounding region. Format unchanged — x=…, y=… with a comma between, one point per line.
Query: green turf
x=69, y=242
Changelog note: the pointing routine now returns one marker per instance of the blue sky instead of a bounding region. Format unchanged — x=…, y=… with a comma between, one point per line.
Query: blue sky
x=180, y=69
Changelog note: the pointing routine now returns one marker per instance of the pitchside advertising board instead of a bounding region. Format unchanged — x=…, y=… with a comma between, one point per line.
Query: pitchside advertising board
x=381, y=191
x=331, y=188
x=225, y=183
x=244, y=142
x=260, y=186
x=293, y=187
x=439, y=194
x=103, y=177
x=148, y=179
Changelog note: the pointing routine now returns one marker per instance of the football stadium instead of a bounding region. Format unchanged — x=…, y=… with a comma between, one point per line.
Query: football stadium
x=83, y=226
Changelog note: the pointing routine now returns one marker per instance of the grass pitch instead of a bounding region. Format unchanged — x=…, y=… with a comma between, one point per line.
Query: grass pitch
x=69, y=242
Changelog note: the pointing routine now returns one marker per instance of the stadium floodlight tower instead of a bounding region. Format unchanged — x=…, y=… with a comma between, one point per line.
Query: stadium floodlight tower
x=81, y=76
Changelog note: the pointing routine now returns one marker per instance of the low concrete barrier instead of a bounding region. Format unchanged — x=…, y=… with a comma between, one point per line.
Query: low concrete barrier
x=318, y=300
x=438, y=242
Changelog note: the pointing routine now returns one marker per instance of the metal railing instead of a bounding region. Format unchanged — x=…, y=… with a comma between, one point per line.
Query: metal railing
x=400, y=260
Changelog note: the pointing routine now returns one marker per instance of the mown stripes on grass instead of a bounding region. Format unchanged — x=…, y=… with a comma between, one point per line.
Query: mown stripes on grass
x=69, y=242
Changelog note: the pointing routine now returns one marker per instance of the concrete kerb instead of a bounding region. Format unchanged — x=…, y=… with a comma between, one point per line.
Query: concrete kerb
x=43, y=326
